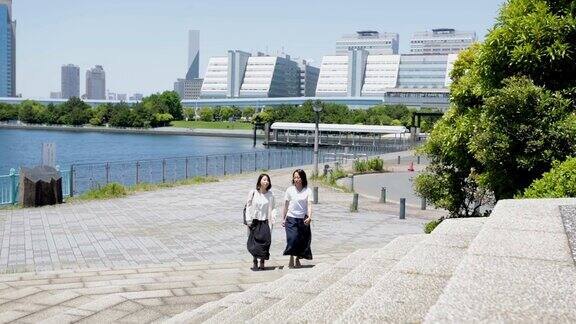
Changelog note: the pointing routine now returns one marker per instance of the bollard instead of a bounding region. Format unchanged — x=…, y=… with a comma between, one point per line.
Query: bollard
x=418, y=159
x=72, y=181
x=14, y=186
x=352, y=183
x=107, y=172
x=354, y=207
x=423, y=204
x=398, y=159
x=402, y=208
x=240, y=163
x=186, y=169
x=315, y=192
x=383, y=195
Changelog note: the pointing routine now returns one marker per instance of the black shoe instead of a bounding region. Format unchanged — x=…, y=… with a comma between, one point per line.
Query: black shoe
x=255, y=266
x=262, y=267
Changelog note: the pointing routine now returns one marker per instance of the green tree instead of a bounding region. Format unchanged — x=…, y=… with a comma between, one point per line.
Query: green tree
x=31, y=112
x=8, y=112
x=189, y=113
x=559, y=182
x=75, y=112
x=248, y=112
x=226, y=113
x=206, y=114
x=512, y=109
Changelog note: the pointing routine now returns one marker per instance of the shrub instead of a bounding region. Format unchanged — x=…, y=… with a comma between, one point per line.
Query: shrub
x=111, y=190
x=376, y=164
x=360, y=166
x=559, y=182
x=430, y=226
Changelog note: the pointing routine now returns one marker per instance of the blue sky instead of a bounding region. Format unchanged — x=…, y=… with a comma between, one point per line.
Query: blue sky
x=142, y=44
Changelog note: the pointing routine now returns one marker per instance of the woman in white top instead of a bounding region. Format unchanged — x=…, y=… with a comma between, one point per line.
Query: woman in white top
x=296, y=217
x=260, y=208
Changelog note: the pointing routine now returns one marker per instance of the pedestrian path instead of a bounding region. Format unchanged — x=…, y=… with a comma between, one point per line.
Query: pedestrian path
x=182, y=224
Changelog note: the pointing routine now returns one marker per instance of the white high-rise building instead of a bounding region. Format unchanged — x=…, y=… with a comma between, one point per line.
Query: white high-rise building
x=369, y=40
x=96, y=83
x=242, y=75
x=70, y=81
x=193, y=70
x=441, y=41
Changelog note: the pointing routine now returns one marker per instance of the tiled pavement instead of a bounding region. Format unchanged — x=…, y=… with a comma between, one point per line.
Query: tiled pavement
x=183, y=224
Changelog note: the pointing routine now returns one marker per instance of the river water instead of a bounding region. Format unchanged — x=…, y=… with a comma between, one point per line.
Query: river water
x=24, y=147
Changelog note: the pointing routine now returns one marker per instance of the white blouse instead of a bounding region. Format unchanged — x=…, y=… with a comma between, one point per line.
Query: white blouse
x=298, y=201
x=260, y=206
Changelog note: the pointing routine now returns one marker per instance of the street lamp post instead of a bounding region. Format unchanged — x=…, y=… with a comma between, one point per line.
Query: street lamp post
x=317, y=106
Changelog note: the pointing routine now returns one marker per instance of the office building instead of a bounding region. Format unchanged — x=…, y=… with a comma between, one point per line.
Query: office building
x=136, y=97
x=193, y=55
x=70, y=81
x=241, y=75
x=96, y=83
x=411, y=79
x=121, y=96
x=188, y=89
x=55, y=95
x=7, y=50
x=441, y=41
x=371, y=41
x=308, y=78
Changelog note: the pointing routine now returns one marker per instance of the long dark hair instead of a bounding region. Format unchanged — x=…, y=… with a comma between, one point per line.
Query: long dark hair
x=260, y=178
x=302, y=175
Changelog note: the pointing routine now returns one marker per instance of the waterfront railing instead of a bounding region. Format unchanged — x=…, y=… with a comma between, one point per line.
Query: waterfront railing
x=79, y=178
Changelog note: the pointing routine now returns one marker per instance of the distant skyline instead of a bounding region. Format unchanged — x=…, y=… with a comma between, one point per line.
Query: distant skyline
x=143, y=45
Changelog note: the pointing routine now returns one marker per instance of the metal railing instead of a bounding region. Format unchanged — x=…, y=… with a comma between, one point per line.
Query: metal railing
x=79, y=178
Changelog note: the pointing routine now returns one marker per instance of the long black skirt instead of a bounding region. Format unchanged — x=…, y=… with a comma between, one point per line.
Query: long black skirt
x=259, y=239
x=298, y=238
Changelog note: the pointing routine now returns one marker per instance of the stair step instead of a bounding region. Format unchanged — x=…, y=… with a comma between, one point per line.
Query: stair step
x=518, y=269
x=291, y=302
x=332, y=302
x=281, y=287
x=207, y=311
x=413, y=285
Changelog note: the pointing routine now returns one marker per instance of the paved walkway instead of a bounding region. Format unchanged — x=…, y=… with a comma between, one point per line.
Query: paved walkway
x=183, y=224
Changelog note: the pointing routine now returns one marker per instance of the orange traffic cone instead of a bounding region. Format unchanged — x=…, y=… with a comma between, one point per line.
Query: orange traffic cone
x=411, y=166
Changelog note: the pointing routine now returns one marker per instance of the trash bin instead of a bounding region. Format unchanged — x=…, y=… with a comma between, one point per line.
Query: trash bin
x=39, y=186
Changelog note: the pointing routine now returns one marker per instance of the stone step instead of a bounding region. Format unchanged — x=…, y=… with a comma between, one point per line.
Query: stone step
x=244, y=309
x=518, y=269
x=286, y=304
x=75, y=275
x=232, y=301
x=412, y=286
x=332, y=302
x=170, y=290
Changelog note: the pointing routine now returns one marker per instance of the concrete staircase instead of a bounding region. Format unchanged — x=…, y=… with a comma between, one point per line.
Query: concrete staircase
x=514, y=266
x=132, y=295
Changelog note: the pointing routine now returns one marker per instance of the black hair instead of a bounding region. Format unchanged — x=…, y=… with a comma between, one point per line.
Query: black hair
x=302, y=175
x=260, y=178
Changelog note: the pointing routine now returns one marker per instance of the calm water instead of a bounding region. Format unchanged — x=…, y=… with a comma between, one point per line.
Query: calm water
x=24, y=147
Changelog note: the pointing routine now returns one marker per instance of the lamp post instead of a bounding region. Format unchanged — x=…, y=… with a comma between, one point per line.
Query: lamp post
x=317, y=106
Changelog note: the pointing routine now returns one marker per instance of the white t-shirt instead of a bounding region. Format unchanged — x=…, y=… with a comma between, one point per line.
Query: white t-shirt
x=261, y=207
x=298, y=201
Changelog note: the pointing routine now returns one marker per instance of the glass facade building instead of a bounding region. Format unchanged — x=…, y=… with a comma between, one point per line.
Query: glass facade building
x=7, y=50
x=70, y=81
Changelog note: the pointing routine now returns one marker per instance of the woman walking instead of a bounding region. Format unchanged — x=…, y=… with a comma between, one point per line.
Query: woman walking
x=260, y=208
x=296, y=218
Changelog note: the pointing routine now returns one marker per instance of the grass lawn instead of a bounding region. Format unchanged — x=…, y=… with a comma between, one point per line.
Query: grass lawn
x=211, y=125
